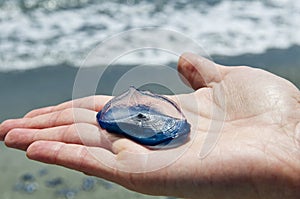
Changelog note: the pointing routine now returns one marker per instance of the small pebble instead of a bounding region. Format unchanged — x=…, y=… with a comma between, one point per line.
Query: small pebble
x=66, y=193
x=54, y=182
x=43, y=172
x=30, y=188
x=27, y=187
x=27, y=177
x=88, y=184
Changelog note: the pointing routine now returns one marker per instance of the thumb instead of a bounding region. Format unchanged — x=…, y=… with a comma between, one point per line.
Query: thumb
x=199, y=71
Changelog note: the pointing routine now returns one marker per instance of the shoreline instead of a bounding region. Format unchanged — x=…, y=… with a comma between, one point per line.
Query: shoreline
x=22, y=91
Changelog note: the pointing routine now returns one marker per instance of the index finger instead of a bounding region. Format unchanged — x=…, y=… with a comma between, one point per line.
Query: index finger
x=85, y=159
x=94, y=103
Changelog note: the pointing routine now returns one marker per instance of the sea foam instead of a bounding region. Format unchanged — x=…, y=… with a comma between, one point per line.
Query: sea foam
x=49, y=32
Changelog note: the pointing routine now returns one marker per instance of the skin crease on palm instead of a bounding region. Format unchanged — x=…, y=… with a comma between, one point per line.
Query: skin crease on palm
x=257, y=154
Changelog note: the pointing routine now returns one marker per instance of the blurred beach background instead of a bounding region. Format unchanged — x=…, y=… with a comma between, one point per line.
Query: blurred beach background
x=43, y=43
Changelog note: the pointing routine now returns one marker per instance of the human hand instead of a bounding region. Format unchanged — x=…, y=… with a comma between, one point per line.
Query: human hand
x=256, y=155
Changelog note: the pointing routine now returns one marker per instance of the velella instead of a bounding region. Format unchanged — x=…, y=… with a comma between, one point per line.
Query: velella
x=149, y=119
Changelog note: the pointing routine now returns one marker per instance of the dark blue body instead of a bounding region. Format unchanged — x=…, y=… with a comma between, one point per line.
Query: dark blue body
x=177, y=131
x=146, y=118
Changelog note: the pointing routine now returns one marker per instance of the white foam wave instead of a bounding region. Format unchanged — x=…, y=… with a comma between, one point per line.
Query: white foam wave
x=41, y=38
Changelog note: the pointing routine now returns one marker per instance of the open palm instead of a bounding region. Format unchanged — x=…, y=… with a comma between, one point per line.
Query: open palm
x=244, y=143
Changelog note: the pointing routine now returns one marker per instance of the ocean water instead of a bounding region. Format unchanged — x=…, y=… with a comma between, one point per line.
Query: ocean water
x=38, y=33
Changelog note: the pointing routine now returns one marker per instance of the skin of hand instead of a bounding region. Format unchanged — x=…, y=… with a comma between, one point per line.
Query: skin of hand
x=257, y=154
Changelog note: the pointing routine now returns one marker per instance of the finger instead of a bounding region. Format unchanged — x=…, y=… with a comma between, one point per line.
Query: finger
x=77, y=157
x=199, y=71
x=79, y=133
x=58, y=118
x=94, y=103
x=40, y=111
